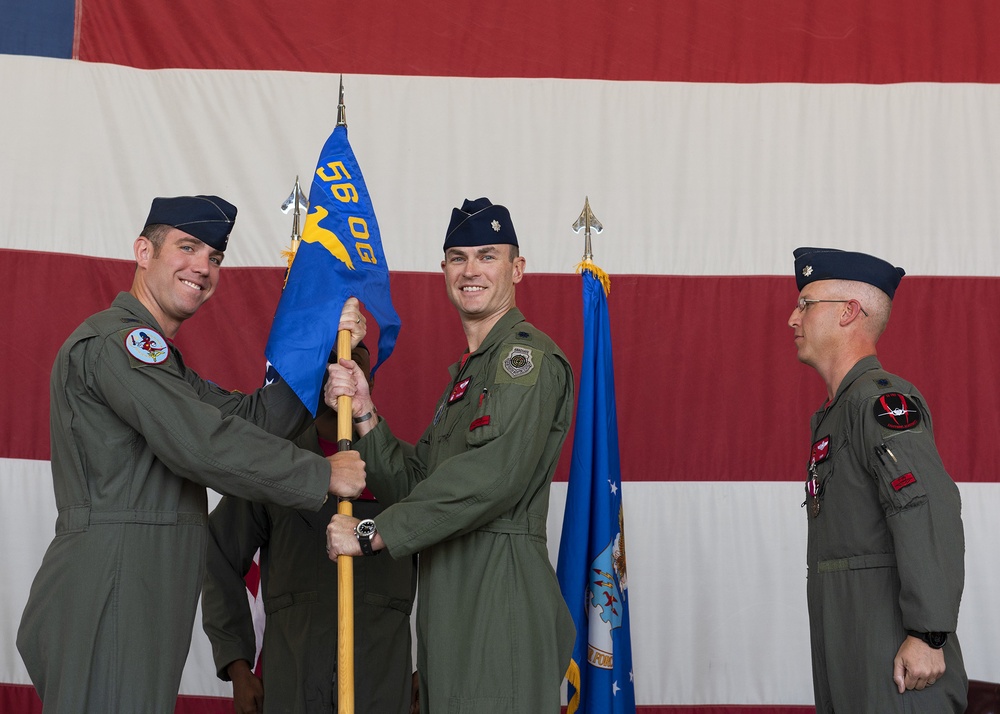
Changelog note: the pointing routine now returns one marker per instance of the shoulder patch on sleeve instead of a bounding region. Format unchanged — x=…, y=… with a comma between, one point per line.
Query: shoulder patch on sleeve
x=896, y=411
x=519, y=365
x=145, y=345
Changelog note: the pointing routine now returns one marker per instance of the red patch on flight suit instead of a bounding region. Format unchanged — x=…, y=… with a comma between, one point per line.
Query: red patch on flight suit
x=459, y=390
x=903, y=481
x=820, y=451
x=481, y=421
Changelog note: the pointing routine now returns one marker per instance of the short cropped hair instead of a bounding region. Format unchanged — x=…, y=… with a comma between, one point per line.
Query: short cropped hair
x=156, y=233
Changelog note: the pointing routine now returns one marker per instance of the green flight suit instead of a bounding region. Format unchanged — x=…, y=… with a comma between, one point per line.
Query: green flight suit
x=886, y=549
x=299, y=586
x=493, y=632
x=136, y=438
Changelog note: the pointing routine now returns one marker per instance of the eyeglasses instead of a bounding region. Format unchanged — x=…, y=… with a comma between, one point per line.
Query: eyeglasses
x=803, y=303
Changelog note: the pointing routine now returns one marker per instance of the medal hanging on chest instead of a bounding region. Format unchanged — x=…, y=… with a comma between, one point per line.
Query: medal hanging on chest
x=819, y=453
x=813, y=489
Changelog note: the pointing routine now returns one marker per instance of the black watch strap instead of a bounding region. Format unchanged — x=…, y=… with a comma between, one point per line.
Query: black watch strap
x=935, y=640
x=366, y=545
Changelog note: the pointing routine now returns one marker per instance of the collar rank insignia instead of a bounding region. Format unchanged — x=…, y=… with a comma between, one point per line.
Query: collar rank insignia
x=147, y=345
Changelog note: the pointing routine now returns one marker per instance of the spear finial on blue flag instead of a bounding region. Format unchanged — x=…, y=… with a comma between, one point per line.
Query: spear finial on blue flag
x=592, y=567
x=588, y=222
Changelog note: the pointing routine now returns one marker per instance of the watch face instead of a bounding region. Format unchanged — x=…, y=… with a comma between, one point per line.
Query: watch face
x=937, y=640
x=366, y=528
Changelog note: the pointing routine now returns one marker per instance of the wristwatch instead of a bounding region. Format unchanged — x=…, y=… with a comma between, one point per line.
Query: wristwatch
x=936, y=640
x=365, y=531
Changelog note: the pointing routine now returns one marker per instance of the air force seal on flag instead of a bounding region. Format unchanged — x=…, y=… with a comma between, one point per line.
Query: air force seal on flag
x=605, y=599
x=147, y=345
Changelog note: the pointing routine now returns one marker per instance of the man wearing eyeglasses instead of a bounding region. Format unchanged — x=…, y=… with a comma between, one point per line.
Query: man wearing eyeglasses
x=886, y=545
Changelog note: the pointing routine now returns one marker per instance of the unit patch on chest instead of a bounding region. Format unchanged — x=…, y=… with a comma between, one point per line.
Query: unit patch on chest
x=820, y=451
x=459, y=390
x=147, y=346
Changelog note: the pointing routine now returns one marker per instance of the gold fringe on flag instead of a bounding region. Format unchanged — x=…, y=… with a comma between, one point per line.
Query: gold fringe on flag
x=289, y=255
x=587, y=265
x=573, y=677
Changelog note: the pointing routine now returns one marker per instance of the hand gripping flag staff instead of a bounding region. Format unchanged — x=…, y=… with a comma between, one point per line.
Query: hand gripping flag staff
x=339, y=255
x=591, y=568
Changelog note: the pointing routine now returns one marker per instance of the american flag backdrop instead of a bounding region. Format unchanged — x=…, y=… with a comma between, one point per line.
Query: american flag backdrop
x=712, y=138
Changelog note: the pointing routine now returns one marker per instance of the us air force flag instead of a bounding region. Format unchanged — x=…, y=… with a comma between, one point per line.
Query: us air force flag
x=340, y=256
x=591, y=568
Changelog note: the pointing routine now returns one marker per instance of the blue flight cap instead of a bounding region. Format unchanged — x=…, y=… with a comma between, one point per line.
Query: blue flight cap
x=478, y=223
x=207, y=218
x=812, y=264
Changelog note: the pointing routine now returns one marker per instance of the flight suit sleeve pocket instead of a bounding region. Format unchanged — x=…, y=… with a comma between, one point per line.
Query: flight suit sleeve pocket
x=899, y=481
x=485, y=424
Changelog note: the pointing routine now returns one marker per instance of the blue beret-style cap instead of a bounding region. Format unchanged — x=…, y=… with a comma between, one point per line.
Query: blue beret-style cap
x=208, y=218
x=812, y=264
x=477, y=223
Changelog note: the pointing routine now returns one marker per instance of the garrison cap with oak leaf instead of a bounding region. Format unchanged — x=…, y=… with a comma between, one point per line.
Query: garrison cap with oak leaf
x=812, y=264
x=479, y=222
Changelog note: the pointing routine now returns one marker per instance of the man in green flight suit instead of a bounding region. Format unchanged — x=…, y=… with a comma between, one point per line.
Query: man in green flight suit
x=136, y=438
x=493, y=632
x=886, y=547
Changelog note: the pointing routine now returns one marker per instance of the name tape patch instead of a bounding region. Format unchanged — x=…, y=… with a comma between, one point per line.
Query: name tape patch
x=481, y=421
x=903, y=481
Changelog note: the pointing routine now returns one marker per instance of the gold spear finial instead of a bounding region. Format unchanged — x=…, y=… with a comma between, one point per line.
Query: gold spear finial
x=588, y=223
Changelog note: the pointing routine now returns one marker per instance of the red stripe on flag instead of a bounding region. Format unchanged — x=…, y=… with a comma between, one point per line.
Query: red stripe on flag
x=709, y=388
x=684, y=40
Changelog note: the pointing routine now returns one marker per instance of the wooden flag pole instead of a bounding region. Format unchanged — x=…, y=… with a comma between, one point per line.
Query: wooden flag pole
x=345, y=563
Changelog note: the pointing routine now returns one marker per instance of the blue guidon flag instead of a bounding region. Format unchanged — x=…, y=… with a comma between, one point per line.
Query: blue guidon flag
x=340, y=256
x=592, y=568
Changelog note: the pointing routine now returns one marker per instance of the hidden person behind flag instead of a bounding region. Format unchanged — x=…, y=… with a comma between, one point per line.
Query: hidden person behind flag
x=591, y=566
x=136, y=438
x=301, y=589
x=493, y=632
x=340, y=255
